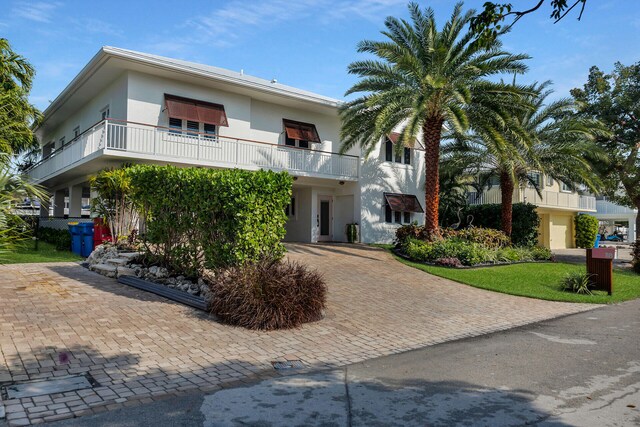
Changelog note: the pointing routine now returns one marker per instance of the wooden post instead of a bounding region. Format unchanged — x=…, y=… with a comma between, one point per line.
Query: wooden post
x=600, y=267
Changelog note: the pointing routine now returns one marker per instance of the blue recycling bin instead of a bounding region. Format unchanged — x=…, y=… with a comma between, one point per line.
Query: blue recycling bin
x=87, y=238
x=76, y=238
x=597, y=243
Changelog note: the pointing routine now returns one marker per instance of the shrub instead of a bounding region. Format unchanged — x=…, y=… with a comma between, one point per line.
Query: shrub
x=578, y=282
x=468, y=253
x=449, y=262
x=540, y=253
x=488, y=237
x=115, y=202
x=208, y=218
x=525, y=221
x=267, y=295
x=586, y=227
x=61, y=239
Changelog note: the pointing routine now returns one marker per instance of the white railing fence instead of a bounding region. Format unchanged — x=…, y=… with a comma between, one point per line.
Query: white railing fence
x=181, y=146
x=529, y=195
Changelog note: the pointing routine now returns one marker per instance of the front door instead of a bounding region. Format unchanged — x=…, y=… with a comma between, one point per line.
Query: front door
x=324, y=220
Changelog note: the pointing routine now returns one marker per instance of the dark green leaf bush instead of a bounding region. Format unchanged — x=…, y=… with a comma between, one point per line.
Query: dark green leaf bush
x=61, y=239
x=208, y=218
x=488, y=237
x=636, y=256
x=525, y=221
x=267, y=295
x=586, y=230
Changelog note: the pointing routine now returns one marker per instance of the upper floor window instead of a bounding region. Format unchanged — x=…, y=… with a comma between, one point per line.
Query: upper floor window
x=62, y=141
x=299, y=134
x=105, y=113
x=549, y=181
x=534, y=179
x=391, y=155
x=76, y=132
x=193, y=116
x=565, y=187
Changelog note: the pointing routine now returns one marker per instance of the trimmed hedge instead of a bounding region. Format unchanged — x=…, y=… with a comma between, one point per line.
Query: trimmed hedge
x=525, y=221
x=208, y=218
x=586, y=227
x=61, y=239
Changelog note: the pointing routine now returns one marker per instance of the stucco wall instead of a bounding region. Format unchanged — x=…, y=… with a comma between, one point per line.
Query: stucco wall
x=379, y=176
x=114, y=96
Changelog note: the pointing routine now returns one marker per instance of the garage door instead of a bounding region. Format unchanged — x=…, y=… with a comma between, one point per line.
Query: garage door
x=560, y=231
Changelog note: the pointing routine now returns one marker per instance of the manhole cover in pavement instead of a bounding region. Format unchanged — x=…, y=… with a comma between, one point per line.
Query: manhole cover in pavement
x=39, y=388
x=287, y=364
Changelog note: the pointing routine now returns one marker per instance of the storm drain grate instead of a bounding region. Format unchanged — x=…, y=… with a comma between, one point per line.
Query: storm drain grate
x=287, y=364
x=42, y=387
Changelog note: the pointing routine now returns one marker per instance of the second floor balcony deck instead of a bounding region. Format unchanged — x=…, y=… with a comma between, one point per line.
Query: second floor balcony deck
x=550, y=199
x=134, y=142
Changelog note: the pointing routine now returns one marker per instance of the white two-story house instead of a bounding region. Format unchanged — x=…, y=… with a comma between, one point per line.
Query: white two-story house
x=556, y=208
x=131, y=107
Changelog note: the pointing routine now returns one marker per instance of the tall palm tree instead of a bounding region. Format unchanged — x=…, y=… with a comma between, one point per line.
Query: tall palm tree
x=545, y=138
x=423, y=80
x=16, y=113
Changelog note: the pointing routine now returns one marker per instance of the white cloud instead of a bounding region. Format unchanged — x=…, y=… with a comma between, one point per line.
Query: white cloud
x=38, y=11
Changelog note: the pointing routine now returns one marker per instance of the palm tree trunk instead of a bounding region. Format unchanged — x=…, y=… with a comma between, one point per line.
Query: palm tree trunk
x=432, y=133
x=506, y=190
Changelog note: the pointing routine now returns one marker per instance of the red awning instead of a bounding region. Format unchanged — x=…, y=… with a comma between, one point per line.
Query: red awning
x=403, y=202
x=196, y=111
x=395, y=136
x=301, y=131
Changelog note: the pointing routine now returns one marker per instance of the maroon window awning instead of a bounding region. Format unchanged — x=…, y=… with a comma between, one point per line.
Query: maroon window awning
x=395, y=136
x=301, y=131
x=196, y=111
x=403, y=202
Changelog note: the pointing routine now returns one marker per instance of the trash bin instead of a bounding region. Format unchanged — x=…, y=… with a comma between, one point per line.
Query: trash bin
x=597, y=243
x=76, y=237
x=87, y=238
x=101, y=232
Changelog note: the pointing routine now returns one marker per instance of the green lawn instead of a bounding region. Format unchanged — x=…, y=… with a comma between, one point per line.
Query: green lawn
x=46, y=252
x=535, y=280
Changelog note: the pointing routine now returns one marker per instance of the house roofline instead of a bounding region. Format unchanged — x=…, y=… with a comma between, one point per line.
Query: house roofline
x=212, y=73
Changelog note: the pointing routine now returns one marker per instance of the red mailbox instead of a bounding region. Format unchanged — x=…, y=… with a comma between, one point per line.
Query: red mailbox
x=600, y=267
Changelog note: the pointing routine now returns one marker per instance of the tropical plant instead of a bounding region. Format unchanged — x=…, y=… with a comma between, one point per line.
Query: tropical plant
x=613, y=99
x=17, y=115
x=267, y=294
x=578, y=282
x=423, y=80
x=14, y=190
x=521, y=144
x=114, y=202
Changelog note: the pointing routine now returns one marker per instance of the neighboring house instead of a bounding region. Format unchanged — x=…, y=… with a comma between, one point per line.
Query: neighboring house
x=615, y=217
x=132, y=107
x=557, y=208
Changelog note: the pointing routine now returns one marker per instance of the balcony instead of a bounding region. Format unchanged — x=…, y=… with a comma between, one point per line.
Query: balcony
x=549, y=199
x=606, y=207
x=145, y=143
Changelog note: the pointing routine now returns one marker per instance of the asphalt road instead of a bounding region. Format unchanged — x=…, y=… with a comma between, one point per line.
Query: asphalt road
x=581, y=370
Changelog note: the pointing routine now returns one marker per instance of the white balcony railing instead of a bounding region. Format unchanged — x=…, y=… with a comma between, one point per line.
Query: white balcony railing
x=127, y=139
x=606, y=207
x=550, y=199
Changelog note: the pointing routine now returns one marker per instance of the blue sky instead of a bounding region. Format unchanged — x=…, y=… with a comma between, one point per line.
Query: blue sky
x=303, y=43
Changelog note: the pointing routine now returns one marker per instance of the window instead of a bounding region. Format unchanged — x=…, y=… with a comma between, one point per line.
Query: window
x=175, y=124
x=564, y=187
x=549, y=181
x=534, y=179
x=299, y=134
x=105, y=113
x=194, y=127
x=300, y=143
x=290, y=210
x=76, y=132
x=62, y=142
x=399, y=207
x=390, y=154
x=407, y=156
x=209, y=129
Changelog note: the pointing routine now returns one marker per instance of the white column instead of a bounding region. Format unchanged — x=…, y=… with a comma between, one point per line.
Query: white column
x=45, y=205
x=632, y=228
x=75, y=200
x=58, y=203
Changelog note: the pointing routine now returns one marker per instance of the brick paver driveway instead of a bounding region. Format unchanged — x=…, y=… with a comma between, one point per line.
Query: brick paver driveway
x=139, y=347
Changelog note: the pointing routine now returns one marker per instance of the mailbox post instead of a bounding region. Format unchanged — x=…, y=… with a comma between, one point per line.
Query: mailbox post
x=600, y=267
